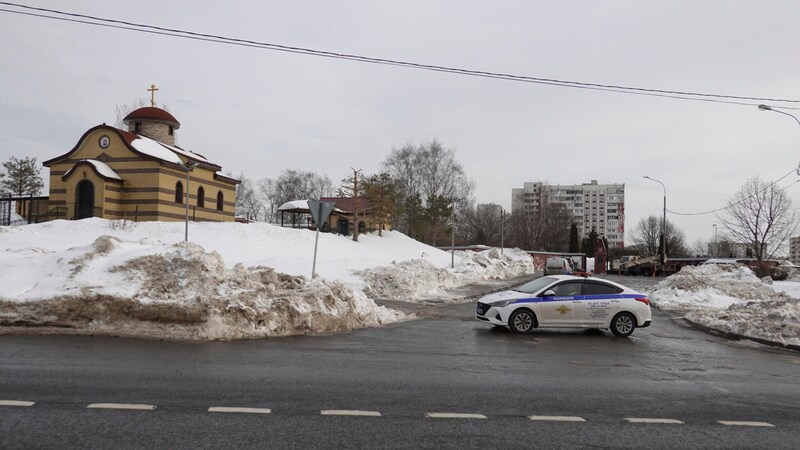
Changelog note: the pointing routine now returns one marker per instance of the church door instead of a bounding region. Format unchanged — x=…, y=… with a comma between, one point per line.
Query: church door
x=85, y=203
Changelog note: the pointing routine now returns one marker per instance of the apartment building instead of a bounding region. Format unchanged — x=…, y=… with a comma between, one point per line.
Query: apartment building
x=593, y=205
x=794, y=250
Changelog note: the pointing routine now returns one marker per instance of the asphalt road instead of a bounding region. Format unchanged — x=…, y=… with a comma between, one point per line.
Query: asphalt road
x=386, y=387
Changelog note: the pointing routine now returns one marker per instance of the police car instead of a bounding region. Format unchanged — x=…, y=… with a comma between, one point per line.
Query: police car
x=567, y=301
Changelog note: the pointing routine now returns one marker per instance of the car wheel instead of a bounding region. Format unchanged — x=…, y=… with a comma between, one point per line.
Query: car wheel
x=623, y=324
x=522, y=321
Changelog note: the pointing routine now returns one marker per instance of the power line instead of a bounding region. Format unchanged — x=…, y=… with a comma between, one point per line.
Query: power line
x=173, y=32
x=742, y=200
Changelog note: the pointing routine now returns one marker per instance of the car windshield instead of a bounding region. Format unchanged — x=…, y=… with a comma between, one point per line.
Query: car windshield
x=535, y=285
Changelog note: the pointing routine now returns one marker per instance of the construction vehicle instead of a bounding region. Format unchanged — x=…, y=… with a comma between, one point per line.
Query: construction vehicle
x=650, y=265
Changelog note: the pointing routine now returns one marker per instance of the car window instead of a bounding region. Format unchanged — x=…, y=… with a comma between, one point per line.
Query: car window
x=598, y=288
x=568, y=288
x=535, y=285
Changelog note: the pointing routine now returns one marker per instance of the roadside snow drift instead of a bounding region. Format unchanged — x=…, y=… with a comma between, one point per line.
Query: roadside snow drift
x=732, y=299
x=232, y=281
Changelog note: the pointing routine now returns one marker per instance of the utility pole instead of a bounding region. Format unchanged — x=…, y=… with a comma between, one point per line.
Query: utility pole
x=355, y=203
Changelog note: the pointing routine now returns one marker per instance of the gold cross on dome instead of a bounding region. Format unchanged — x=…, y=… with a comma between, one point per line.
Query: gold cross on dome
x=152, y=91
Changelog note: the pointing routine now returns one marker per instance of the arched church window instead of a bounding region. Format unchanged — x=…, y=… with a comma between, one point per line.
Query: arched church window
x=178, y=192
x=220, y=201
x=201, y=197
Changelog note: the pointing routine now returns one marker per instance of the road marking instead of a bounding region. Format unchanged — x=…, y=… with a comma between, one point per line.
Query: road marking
x=349, y=412
x=558, y=418
x=232, y=409
x=16, y=403
x=454, y=416
x=136, y=406
x=650, y=420
x=745, y=424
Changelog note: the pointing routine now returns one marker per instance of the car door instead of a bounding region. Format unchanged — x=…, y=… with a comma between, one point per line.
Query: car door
x=600, y=302
x=559, y=310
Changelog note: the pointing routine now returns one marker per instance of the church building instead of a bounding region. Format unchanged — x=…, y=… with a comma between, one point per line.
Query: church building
x=138, y=174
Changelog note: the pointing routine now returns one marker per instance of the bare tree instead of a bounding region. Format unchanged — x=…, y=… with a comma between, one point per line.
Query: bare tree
x=761, y=216
x=700, y=248
x=299, y=185
x=430, y=175
x=647, y=234
x=248, y=202
x=546, y=229
x=269, y=192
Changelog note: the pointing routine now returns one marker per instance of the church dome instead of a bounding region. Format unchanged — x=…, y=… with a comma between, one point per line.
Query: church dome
x=152, y=114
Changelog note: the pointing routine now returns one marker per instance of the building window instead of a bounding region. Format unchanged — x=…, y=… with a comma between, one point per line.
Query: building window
x=178, y=192
x=220, y=199
x=171, y=130
x=137, y=126
x=201, y=197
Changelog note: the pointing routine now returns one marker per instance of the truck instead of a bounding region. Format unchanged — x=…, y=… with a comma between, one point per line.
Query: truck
x=637, y=265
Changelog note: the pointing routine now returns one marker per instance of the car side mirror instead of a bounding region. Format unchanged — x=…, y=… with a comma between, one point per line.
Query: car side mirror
x=548, y=293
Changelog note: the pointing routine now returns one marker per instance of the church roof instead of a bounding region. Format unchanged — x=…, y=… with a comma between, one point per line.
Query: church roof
x=101, y=168
x=154, y=114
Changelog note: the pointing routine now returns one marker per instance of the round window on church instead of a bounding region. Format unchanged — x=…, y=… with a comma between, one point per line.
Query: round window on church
x=104, y=141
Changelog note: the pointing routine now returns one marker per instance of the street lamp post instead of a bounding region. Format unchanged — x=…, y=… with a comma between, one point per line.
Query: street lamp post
x=716, y=241
x=453, y=237
x=663, y=243
x=770, y=108
x=188, y=166
x=502, y=229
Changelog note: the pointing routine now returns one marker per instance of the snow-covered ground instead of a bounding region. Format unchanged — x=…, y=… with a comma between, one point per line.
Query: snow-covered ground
x=251, y=280
x=230, y=281
x=733, y=299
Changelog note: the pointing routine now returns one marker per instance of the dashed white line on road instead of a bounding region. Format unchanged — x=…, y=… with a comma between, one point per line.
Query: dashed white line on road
x=745, y=424
x=652, y=420
x=454, y=416
x=136, y=406
x=558, y=418
x=349, y=412
x=16, y=403
x=233, y=409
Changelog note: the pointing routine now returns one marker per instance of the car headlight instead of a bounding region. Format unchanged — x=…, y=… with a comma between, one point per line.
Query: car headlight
x=501, y=303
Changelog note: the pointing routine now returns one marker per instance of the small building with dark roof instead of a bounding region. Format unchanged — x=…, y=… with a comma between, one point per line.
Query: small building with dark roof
x=138, y=174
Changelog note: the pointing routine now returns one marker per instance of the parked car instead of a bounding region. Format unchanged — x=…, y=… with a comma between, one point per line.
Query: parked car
x=558, y=265
x=567, y=301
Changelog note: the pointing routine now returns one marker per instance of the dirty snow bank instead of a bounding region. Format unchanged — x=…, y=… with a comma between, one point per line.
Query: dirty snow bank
x=188, y=293
x=732, y=299
x=232, y=281
x=419, y=279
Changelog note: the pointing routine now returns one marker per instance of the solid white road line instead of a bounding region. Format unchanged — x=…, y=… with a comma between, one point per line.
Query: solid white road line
x=349, y=412
x=16, y=403
x=558, y=418
x=454, y=416
x=650, y=420
x=231, y=409
x=136, y=406
x=745, y=424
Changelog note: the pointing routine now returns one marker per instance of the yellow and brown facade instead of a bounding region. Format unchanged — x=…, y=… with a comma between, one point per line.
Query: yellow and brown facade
x=138, y=174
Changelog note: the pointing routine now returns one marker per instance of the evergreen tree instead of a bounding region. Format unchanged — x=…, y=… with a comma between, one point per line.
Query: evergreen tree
x=574, y=243
x=590, y=244
x=21, y=177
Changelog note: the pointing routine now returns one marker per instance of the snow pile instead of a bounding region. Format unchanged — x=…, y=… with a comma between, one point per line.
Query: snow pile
x=710, y=286
x=231, y=281
x=420, y=279
x=734, y=300
x=188, y=293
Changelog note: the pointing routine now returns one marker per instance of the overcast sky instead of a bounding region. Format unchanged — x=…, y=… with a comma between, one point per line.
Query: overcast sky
x=258, y=112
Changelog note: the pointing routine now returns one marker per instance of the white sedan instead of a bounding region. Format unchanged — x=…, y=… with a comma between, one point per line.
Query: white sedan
x=567, y=301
